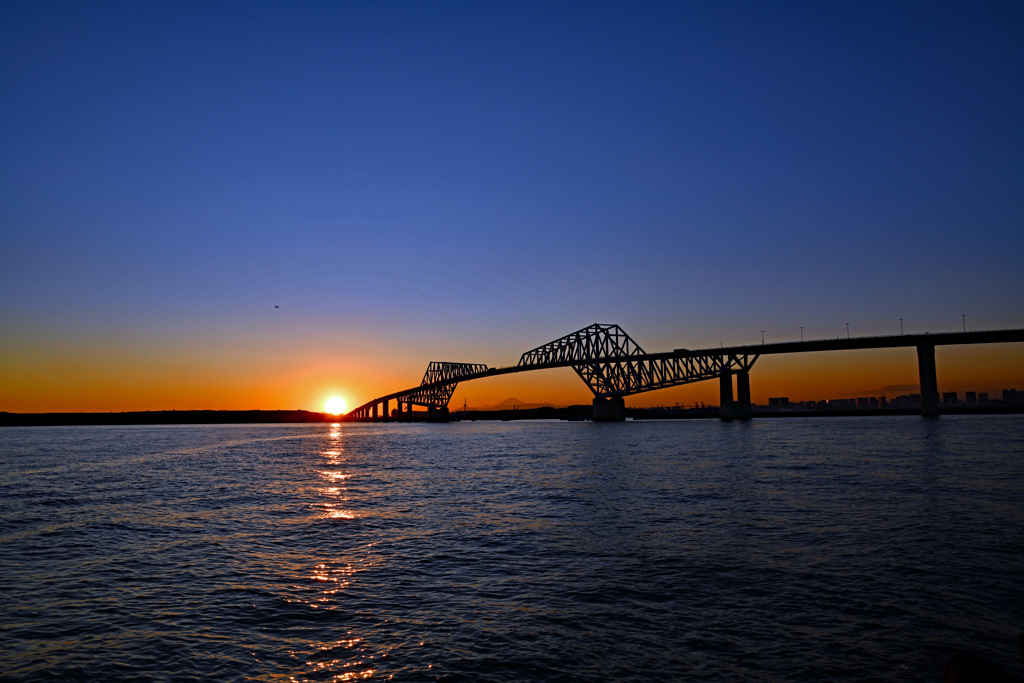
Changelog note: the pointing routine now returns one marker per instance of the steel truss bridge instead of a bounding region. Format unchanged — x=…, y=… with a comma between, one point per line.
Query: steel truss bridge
x=614, y=366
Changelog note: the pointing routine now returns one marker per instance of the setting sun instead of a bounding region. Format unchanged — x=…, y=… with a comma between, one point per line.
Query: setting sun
x=334, y=405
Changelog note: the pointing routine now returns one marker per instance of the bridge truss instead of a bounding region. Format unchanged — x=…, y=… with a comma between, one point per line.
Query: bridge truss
x=607, y=359
x=613, y=364
x=439, y=382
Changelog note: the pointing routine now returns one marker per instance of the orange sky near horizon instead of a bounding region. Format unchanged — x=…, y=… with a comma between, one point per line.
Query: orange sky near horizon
x=97, y=378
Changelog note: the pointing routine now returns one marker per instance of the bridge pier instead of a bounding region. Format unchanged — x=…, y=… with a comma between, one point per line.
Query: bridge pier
x=730, y=409
x=436, y=414
x=609, y=409
x=725, y=403
x=741, y=408
x=929, y=381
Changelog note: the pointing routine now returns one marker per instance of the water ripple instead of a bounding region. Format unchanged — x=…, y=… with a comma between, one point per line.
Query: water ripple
x=796, y=550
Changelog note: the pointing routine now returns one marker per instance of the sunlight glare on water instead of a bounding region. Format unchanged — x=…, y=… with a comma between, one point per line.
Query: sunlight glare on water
x=334, y=457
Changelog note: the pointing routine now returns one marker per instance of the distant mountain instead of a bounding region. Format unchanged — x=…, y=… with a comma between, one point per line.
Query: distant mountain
x=510, y=404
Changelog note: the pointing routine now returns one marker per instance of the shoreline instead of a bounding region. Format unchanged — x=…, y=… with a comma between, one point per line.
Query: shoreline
x=163, y=417
x=570, y=413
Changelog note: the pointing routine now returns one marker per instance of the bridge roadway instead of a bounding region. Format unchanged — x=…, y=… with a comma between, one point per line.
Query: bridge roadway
x=725, y=362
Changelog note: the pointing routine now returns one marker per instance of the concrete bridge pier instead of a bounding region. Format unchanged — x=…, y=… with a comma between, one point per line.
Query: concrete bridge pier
x=929, y=382
x=387, y=410
x=741, y=408
x=738, y=409
x=609, y=409
x=438, y=414
x=725, y=403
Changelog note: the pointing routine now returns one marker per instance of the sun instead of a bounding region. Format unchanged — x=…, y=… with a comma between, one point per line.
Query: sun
x=335, y=405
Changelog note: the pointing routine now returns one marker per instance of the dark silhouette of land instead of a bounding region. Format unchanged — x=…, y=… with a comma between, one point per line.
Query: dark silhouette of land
x=543, y=412
x=164, y=417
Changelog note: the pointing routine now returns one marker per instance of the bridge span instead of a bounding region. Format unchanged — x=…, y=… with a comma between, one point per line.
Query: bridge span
x=614, y=366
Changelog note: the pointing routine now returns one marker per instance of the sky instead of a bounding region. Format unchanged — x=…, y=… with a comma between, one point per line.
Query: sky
x=242, y=205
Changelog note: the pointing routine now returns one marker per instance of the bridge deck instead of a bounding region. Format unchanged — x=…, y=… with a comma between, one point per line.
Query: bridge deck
x=849, y=344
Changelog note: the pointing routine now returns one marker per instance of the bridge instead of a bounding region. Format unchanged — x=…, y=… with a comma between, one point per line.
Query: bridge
x=614, y=366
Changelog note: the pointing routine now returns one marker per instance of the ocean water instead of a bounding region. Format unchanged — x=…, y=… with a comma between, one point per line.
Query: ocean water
x=824, y=549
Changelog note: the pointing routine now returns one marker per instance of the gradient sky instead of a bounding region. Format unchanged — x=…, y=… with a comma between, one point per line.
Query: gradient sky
x=414, y=181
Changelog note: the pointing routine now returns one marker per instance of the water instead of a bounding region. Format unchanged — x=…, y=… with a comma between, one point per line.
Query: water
x=775, y=550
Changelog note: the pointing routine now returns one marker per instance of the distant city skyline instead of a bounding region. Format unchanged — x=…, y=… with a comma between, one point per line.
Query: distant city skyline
x=261, y=206
x=1009, y=396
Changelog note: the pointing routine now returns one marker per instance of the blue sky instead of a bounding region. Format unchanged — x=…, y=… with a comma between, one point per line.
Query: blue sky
x=465, y=181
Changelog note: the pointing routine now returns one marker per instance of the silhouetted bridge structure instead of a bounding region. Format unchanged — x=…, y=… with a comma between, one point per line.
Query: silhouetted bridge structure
x=614, y=366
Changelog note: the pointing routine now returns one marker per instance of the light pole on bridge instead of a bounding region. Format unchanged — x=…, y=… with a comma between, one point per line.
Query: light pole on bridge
x=901, y=327
x=847, y=330
x=801, y=333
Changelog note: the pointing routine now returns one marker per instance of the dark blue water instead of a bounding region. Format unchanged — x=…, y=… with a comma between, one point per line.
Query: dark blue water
x=776, y=550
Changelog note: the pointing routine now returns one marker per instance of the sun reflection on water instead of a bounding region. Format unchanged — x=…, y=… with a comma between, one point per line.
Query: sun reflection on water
x=334, y=454
x=329, y=581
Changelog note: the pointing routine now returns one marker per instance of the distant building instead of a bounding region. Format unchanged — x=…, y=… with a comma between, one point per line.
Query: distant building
x=949, y=397
x=778, y=402
x=971, y=397
x=864, y=403
x=983, y=397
